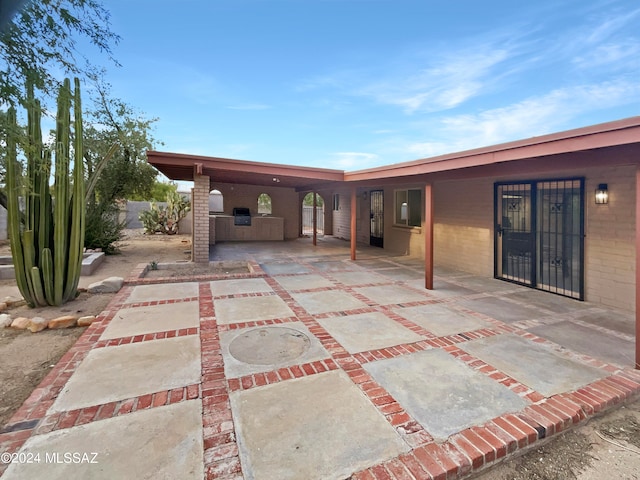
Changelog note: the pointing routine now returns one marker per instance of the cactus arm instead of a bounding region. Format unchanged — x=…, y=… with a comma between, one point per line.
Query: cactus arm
x=37, y=286
x=61, y=216
x=76, y=241
x=13, y=210
x=47, y=274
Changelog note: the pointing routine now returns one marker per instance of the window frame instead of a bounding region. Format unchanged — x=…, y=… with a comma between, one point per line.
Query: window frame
x=413, y=212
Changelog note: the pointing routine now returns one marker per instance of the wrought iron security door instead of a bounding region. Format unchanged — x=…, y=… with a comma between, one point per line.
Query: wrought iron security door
x=539, y=239
x=376, y=198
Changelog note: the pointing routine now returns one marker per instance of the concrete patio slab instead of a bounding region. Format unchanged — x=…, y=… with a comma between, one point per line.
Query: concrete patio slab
x=368, y=331
x=618, y=321
x=591, y=342
x=128, y=322
x=136, y=445
x=304, y=282
x=442, y=393
x=283, y=268
x=239, y=286
x=130, y=370
x=501, y=309
x=440, y=319
x=533, y=364
x=401, y=274
x=543, y=300
x=358, y=278
x=392, y=294
x=442, y=288
x=317, y=427
x=332, y=266
x=329, y=301
x=162, y=291
x=236, y=310
x=269, y=345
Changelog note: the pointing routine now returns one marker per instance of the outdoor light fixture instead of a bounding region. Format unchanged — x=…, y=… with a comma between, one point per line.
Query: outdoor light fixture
x=602, y=194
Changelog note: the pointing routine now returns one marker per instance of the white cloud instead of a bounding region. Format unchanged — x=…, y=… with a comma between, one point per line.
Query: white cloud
x=353, y=160
x=451, y=81
x=530, y=117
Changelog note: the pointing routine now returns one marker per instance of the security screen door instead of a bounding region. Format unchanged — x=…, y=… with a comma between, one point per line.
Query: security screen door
x=539, y=238
x=376, y=238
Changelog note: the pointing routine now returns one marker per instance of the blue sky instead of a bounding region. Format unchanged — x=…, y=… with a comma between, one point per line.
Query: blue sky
x=353, y=84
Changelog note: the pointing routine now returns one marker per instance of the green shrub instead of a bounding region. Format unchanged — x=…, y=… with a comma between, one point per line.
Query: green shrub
x=103, y=228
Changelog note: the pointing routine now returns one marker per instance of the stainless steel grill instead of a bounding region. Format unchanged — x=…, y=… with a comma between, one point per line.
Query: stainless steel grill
x=241, y=216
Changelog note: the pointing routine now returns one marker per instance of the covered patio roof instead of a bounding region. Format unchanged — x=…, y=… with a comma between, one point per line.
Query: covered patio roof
x=177, y=166
x=549, y=152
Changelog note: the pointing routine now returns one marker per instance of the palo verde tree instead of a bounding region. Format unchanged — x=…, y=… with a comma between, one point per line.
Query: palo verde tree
x=48, y=242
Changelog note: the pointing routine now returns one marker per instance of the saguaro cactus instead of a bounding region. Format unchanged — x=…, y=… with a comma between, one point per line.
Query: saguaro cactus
x=47, y=238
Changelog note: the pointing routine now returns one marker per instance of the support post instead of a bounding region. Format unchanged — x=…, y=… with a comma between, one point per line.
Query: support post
x=200, y=207
x=315, y=219
x=637, y=364
x=353, y=222
x=428, y=236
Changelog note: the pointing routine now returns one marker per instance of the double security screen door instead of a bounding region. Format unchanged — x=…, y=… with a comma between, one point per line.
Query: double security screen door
x=539, y=235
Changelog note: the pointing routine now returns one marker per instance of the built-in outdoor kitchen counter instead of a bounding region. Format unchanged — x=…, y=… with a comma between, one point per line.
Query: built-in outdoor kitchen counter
x=223, y=228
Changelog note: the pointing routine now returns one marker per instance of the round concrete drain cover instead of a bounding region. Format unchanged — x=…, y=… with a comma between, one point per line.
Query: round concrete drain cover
x=269, y=345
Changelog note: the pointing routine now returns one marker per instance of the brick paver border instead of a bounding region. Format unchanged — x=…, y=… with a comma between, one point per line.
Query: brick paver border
x=470, y=450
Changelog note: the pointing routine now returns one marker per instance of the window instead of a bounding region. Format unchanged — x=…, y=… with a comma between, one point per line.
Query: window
x=216, y=203
x=336, y=201
x=408, y=208
x=264, y=204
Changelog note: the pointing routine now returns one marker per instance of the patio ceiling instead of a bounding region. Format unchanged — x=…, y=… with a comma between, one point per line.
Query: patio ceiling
x=612, y=143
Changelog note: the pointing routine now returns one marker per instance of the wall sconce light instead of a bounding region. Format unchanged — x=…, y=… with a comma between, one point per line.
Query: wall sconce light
x=364, y=195
x=602, y=194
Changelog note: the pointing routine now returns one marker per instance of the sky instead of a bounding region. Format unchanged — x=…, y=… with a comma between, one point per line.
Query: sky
x=354, y=84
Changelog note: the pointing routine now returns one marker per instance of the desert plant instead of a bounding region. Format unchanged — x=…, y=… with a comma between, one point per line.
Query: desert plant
x=165, y=219
x=48, y=243
x=103, y=227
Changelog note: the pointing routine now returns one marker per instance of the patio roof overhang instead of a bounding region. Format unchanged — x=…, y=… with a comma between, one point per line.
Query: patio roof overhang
x=178, y=166
x=612, y=143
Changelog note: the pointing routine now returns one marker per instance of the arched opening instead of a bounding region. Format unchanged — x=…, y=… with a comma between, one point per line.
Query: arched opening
x=216, y=201
x=264, y=204
x=307, y=214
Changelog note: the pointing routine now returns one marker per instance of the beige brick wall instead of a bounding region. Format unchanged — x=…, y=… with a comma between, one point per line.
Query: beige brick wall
x=200, y=219
x=463, y=225
x=610, y=239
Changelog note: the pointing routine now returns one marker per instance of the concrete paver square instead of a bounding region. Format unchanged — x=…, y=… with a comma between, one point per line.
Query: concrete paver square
x=303, y=282
x=358, y=278
x=368, y=331
x=590, y=342
x=401, y=274
x=162, y=442
x=332, y=265
x=331, y=301
x=115, y=373
x=234, y=367
x=440, y=319
x=391, y=294
x=156, y=318
x=283, y=268
x=162, y=291
x=316, y=427
x=235, y=310
x=533, y=364
x=238, y=286
x=501, y=309
x=441, y=288
x=442, y=393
